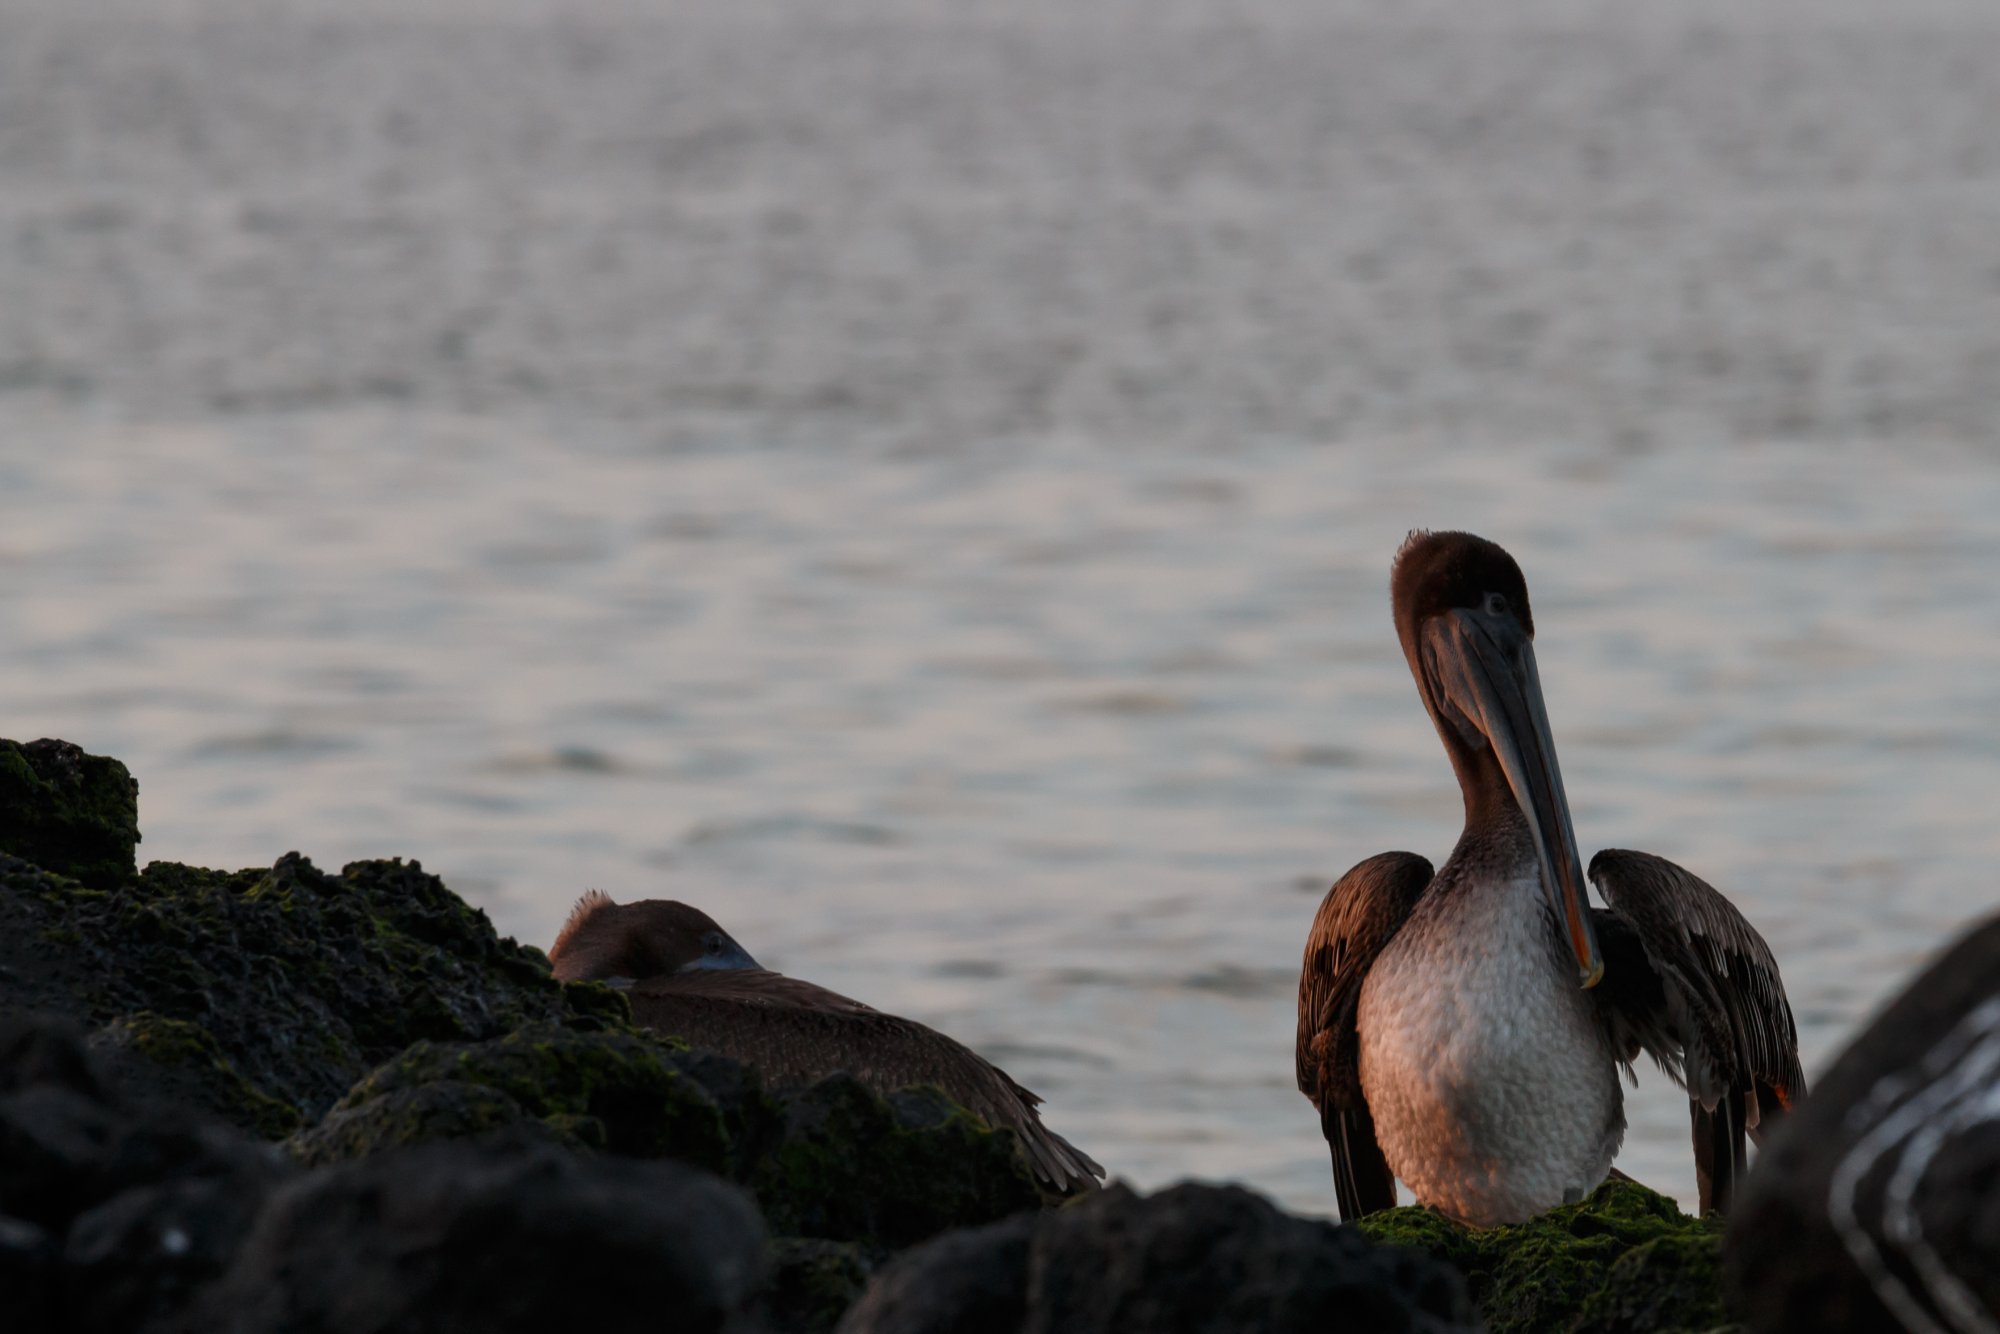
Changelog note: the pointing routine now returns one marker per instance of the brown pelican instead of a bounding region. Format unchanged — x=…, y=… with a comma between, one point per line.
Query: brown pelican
x=687, y=977
x=1463, y=1031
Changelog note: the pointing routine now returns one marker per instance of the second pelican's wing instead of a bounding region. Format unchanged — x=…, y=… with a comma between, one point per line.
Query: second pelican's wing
x=794, y=1033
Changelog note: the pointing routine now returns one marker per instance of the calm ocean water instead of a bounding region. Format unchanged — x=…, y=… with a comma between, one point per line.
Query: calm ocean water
x=921, y=484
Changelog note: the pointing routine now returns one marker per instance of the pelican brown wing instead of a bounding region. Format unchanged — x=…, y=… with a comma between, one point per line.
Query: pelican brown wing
x=1702, y=993
x=1356, y=919
x=795, y=1033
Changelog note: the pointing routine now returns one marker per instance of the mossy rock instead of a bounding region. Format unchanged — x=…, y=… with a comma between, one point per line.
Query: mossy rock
x=448, y=1110
x=611, y=1091
x=74, y=814
x=300, y=980
x=1624, y=1259
x=1668, y=1283
x=813, y=1282
x=193, y=1069
x=887, y=1172
x=834, y=1161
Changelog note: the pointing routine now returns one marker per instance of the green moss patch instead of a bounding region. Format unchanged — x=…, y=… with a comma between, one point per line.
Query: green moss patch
x=186, y=1054
x=67, y=812
x=894, y=1172
x=813, y=1282
x=610, y=1091
x=301, y=980
x=1624, y=1259
x=834, y=1161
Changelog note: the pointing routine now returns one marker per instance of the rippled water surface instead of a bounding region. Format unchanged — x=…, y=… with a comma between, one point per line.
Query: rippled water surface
x=922, y=486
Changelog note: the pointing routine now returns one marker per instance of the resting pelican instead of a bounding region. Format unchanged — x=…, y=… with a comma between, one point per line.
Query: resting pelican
x=688, y=977
x=1463, y=1031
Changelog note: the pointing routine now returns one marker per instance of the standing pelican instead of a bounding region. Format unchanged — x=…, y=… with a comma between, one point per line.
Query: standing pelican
x=1463, y=1031
x=688, y=977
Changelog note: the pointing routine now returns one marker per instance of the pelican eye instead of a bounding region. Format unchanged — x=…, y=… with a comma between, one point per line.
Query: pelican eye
x=1496, y=604
x=711, y=944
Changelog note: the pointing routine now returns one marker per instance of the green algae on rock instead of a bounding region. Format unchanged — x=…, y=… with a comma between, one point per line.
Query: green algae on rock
x=193, y=1068
x=1625, y=1259
x=813, y=1282
x=73, y=814
x=887, y=1172
x=833, y=1161
x=614, y=1091
x=302, y=981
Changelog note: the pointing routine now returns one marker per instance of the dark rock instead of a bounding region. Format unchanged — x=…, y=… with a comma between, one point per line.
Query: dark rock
x=447, y=1237
x=1877, y=1203
x=887, y=1173
x=1669, y=1283
x=44, y=1050
x=28, y=1277
x=813, y=1282
x=1193, y=1258
x=67, y=812
x=137, y=1260
x=616, y=1091
x=442, y=1111
x=972, y=1281
x=56, y=1147
x=1626, y=1258
x=183, y=1064
x=151, y=1202
x=67, y=1141
x=261, y=996
x=168, y=1144
x=833, y=1161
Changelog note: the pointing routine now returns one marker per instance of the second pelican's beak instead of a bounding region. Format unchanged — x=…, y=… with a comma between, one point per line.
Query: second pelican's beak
x=1482, y=666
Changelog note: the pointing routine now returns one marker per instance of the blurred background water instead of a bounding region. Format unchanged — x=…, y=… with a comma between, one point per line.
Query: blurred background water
x=919, y=479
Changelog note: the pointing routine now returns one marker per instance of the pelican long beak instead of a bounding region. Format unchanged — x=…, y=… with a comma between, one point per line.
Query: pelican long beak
x=1482, y=666
x=728, y=957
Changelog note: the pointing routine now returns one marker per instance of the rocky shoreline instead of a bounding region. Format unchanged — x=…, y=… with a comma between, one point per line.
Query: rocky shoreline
x=287, y=1099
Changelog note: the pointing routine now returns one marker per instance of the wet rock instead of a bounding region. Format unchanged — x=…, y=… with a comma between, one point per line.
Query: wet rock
x=1193, y=1258
x=1876, y=1205
x=1625, y=1259
x=67, y=812
x=447, y=1238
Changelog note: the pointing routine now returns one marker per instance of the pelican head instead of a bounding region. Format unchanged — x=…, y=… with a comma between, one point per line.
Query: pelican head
x=1468, y=631
x=621, y=943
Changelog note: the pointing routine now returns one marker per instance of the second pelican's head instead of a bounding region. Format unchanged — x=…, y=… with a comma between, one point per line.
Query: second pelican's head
x=620, y=944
